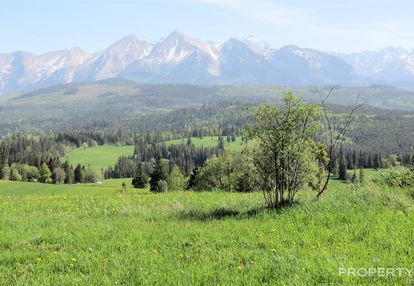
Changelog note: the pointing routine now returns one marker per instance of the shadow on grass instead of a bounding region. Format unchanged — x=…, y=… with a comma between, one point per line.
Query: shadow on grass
x=223, y=213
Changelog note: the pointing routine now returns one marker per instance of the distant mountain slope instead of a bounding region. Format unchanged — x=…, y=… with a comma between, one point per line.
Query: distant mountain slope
x=109, y=103
x=394, y=66
x=179, y=58
x=126, y=93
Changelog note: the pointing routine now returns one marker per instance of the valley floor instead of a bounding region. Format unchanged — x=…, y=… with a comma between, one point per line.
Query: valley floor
x=94, y=235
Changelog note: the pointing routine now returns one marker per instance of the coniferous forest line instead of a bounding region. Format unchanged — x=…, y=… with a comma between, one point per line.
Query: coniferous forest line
x=374, y=136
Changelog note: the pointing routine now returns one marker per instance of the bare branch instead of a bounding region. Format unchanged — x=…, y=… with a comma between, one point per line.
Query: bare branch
x=333, y=140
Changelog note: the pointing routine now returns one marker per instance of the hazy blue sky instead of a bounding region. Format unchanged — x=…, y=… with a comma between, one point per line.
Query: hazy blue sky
x=330, y=25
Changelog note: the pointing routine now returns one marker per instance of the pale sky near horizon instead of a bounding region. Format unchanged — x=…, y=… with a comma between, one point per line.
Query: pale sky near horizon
x=336, y=25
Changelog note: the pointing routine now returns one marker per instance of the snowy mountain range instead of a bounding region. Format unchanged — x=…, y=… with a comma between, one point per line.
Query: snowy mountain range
x=179, y=58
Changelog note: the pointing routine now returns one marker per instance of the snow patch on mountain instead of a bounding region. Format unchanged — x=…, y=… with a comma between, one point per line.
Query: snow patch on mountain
x=180, y=58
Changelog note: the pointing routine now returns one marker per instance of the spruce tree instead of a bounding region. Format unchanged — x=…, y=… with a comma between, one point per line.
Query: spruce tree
x=2, y=161
x=158, y=177
x=192, y=180
x=220, y=144
x=140, y=179
x=70, y=174
x=79, y=174
x=342, y=175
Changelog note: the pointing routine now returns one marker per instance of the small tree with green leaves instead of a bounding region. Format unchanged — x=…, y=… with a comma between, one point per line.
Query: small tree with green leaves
x=45, y=175
x=284, y=158
x=176, y=180
x=58, y=175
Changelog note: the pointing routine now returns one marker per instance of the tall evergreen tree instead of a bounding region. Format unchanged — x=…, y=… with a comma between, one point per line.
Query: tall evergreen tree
x=220, y=144
x=79, y=174
x=2, y=161
x=192, y=180
x=70, y=174
x=158, y=176
x=342, y=174
x=140, y=180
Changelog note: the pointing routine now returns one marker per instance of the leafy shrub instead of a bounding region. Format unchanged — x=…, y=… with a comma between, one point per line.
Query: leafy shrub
x=160, y=187
x=91, y=175
x=396, y=177
x=227, y=172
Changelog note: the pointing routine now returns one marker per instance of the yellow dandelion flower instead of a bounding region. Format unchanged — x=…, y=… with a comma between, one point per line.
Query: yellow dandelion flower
x=155, y=251
x=73, y=259
x=274, y=250
x=39, y=259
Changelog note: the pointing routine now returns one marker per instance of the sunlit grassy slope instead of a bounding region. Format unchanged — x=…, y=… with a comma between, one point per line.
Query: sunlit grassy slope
x=210, y=141
x=99, y=157
x=93, y=235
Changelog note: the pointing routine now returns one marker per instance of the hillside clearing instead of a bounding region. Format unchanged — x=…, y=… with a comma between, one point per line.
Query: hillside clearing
x=99, y=157
x=210, y=141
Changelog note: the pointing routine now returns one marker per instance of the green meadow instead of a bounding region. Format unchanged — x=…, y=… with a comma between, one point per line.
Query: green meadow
x=99, y=157
x=210, y=141
x=97, y=235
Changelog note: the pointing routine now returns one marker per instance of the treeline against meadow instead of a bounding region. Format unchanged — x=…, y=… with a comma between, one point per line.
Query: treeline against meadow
x=371, y=140
x=34, y=159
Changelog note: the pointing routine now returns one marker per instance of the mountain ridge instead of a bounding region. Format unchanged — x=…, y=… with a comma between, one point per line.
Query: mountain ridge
x=179, y=58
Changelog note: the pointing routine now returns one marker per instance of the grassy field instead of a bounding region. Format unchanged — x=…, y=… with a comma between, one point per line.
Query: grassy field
x=210, y=141
x=93, y=235
x=99, y=157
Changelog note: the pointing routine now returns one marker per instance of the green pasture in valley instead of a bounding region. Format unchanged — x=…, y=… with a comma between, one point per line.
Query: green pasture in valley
x=99, y=157
x=210, y=141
